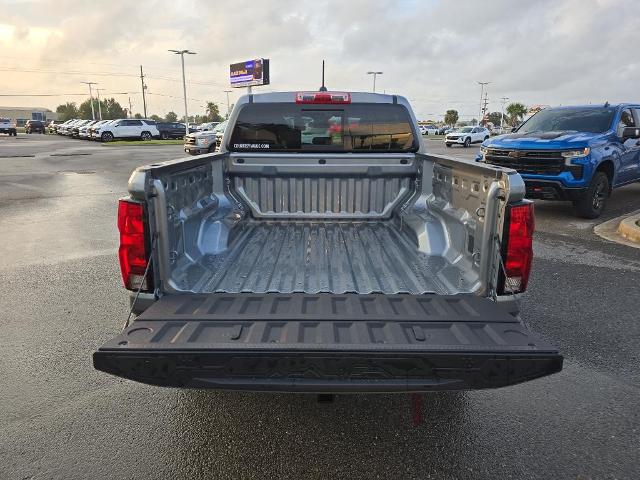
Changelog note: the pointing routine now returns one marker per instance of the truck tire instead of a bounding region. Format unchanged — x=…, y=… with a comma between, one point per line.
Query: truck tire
x=145, y=136
x=164, y=136
x=591, y=203
x=467, y=142
x=448, y=145
x=106, y=137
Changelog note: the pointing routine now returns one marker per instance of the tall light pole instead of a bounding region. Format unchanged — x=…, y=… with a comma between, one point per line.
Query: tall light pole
x=184, y=86
x=228, y=92
x=99, y=106
x=482, y=84
x=503, y=100
x=93, y=113
x=375, y=74
x=144, y=88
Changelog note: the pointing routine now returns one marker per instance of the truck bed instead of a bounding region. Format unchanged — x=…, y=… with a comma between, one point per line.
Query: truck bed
x=323, y=270
x=315, y=257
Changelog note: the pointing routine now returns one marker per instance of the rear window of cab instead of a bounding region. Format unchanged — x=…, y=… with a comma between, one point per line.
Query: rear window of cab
x=358, y=127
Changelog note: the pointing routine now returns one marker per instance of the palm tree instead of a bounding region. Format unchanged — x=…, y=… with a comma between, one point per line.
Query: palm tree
x=212, y=112
x=516, y=111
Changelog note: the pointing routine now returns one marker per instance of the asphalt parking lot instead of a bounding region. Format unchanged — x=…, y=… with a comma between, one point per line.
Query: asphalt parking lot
x=62, y=298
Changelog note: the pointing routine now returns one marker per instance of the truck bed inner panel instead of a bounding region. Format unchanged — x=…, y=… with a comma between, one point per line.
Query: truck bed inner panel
x=313, y=257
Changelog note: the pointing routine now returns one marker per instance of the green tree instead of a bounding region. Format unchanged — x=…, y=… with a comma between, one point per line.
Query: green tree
x=494, y=117
x=138, y=115
x=111, y=109
x=212, y=113
x=156, y=118
x=171, y=117
x=516, y=111
x=84, y=110
x=451, y=117
x=67, y=111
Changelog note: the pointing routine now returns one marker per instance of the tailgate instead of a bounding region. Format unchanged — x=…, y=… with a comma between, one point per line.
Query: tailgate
x=327, y=343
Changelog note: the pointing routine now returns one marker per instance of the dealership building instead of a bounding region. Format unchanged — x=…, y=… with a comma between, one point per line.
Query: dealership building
x=20, y=115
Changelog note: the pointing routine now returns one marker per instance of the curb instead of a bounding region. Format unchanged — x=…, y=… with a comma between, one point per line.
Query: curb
x=630, y=229
x=610, y=230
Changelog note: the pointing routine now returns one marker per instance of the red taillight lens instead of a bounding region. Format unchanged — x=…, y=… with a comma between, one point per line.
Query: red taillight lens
x=323, y=97
x=132, y=252
x=519, y=248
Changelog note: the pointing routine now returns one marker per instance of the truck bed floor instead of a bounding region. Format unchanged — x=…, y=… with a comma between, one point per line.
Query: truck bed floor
x=314, y=257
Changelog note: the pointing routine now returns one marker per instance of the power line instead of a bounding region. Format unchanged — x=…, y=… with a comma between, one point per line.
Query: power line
x=106, y=74
x=59, y=94
x=57, y=62
x=173, y=96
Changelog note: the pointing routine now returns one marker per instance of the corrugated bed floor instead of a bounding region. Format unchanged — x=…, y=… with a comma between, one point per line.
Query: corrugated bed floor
x=315, y=257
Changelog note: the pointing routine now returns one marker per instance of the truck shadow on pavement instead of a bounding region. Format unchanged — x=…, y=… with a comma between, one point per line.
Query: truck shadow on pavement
x=366, y=436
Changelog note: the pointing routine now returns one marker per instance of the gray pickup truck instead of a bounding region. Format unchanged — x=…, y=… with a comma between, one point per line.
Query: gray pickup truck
x=8, y=127
x=324, y=250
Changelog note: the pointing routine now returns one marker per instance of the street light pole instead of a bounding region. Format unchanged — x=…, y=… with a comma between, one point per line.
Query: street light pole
x=482, y=84
x=375, y=74
x=184, y=86
x=93, y=113
x=228, y=92
x=503, y=100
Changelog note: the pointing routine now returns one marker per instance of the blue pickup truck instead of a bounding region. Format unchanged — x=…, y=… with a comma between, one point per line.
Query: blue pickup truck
x=578, y=153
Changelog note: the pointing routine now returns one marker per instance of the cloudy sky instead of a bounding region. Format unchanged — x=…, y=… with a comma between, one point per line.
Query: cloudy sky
x=432, y=51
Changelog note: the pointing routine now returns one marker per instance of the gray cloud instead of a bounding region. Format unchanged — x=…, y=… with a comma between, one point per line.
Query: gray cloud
x=548, y=52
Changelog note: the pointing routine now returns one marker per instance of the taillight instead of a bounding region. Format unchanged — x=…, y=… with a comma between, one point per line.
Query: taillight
x=518, y=248
x=132, y=253
x=323, y=97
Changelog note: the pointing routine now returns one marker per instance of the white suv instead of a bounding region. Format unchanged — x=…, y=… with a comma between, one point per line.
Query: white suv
x=127, y=128
x=465, y=136
x=428, y=130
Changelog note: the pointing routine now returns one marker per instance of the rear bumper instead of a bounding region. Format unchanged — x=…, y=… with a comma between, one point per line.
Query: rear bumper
x=327, y=343
x=327, y=372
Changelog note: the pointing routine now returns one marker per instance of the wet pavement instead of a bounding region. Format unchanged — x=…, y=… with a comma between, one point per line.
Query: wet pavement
x=62, y=298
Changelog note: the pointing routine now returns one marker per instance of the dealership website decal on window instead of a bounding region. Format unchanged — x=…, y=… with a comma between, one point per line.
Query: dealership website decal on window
x=251, y=145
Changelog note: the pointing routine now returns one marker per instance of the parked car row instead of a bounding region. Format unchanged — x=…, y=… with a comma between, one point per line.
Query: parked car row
x=121, y=128
x=445, y=130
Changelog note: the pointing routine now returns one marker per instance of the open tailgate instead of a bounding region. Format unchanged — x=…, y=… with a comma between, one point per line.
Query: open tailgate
x=327, y=343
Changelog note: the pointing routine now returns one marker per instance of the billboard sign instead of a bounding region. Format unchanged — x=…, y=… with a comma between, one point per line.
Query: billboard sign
x=249, y=73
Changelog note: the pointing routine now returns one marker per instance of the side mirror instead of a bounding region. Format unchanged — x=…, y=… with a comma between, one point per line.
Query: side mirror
x=629, y=133
x=513, y=129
